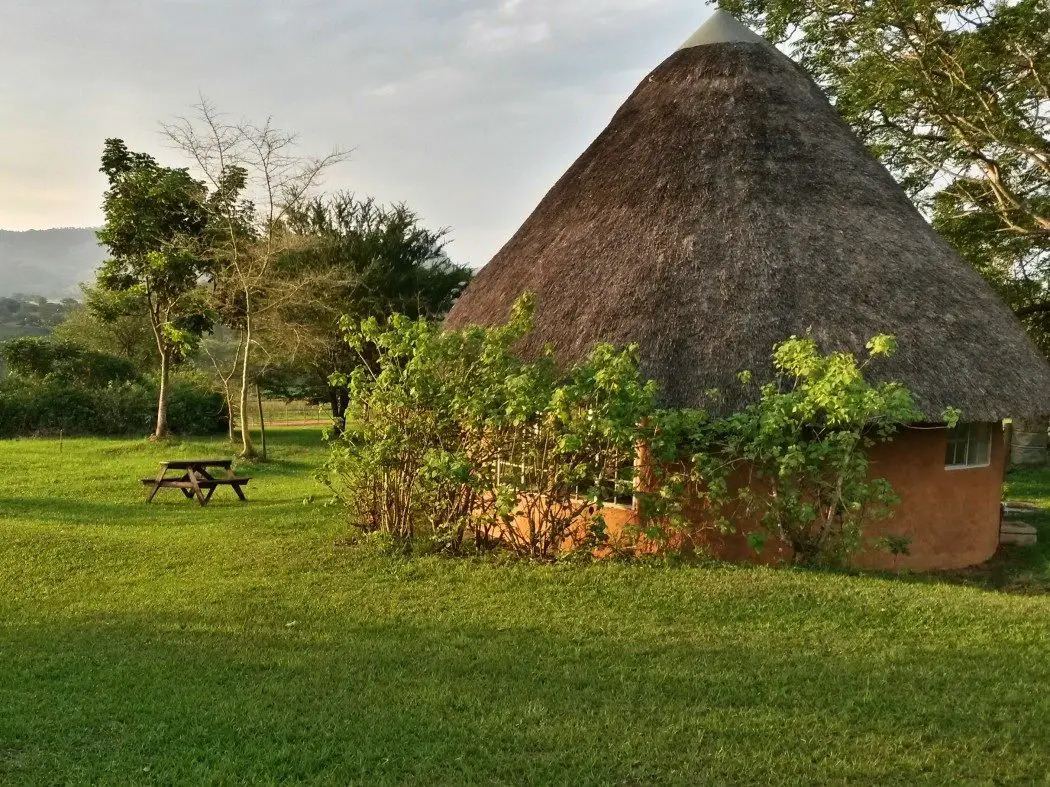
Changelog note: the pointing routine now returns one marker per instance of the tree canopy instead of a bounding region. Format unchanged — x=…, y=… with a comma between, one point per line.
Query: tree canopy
x=382, y=260
x=155, y=231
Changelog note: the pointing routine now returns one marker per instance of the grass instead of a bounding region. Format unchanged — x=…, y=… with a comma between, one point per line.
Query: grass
x=1027, y=570
x=170, y=644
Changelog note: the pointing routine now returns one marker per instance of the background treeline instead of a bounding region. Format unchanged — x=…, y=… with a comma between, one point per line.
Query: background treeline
x=227, y=281
x=31, y=315
x=57, y=387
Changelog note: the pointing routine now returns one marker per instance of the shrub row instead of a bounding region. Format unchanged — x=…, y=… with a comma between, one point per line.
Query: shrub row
x=35, y=407
x=39, y=358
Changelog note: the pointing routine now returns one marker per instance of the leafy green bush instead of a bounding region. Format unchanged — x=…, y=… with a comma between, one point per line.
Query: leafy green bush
x=802, y=447
x=457, y=442
x=30, y=407
x=57, y=386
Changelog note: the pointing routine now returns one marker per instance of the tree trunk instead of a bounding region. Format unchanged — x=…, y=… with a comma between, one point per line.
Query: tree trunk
x=262, y=422
x=247, y=448
x=340, y=400
x=162, y=398
x=333, y=401
x=229, y=414
x=344, y=403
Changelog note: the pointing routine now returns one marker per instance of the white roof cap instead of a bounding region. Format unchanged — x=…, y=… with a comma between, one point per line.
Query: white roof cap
x=723, y=28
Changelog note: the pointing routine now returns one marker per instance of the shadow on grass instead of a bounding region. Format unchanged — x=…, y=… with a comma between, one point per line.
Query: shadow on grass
x=174, y=701
x=89, y=513
x=1014, y=569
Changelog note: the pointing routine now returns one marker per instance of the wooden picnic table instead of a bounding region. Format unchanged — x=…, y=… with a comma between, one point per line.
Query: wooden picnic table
x=196, y=480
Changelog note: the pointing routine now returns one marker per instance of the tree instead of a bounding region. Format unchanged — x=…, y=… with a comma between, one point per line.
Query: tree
x=954, y=97
x=155, y=225
x=257, y=179
x=384, y=261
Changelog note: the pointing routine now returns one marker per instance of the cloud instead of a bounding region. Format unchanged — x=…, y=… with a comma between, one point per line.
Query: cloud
x=515, y=23
x=504, y=36
x=466, y=109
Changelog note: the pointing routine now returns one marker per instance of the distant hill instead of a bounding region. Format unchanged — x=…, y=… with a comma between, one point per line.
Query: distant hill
x=48, y=262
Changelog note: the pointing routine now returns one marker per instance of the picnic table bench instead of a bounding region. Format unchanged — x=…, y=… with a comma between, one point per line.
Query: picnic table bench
x=195, y=480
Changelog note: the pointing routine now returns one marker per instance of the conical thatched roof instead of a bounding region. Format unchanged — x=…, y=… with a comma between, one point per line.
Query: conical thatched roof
x=727, y=207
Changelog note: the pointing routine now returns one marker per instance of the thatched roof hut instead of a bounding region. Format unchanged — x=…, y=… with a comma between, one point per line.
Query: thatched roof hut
x=727, y=207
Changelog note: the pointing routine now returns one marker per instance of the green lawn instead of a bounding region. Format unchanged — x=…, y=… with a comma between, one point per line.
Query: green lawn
x=169, y=644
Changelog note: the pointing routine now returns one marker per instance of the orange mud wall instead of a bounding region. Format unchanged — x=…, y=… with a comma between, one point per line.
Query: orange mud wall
x=951, y=516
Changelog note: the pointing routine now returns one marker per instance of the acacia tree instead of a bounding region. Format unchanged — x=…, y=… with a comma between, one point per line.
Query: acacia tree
x=384, y=261
x=155, y=225
x=954, y=97
x=258, y=179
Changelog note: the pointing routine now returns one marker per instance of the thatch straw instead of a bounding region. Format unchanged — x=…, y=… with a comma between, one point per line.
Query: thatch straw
x=727, y=207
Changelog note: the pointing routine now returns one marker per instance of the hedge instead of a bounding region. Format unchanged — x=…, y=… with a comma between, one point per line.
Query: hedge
x=47, y=407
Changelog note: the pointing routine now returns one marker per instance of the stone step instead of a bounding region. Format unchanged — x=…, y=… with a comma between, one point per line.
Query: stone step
x=1018, y=534
x=1021, y=505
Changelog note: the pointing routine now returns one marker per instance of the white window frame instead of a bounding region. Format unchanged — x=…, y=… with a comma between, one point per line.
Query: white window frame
x=970, y=446
x=519, y=471
x=614, y=482
x=611, y=476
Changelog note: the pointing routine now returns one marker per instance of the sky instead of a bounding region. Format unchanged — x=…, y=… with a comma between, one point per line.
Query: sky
x=467, y=110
